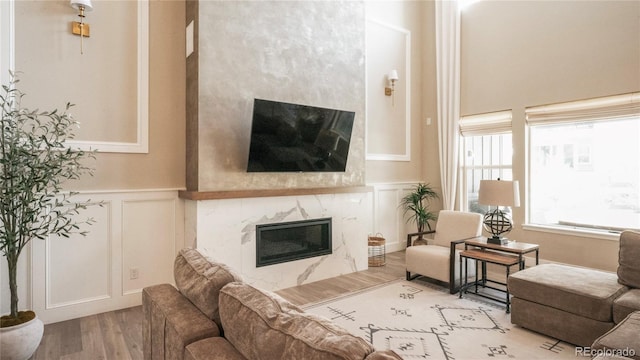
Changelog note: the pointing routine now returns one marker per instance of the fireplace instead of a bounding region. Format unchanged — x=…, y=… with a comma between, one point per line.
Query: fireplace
x=288, y=241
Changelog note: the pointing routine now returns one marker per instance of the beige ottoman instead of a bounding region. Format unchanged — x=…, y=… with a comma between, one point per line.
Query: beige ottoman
x=568, y=303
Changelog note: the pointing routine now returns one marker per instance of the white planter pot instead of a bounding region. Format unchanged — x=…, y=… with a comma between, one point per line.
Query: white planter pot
x=21, y=341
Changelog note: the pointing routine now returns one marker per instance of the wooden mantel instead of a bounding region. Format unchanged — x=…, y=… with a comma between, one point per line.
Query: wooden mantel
x=238, y=194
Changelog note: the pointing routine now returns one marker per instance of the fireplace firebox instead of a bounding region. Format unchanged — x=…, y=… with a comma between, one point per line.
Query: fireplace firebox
x=288, y=241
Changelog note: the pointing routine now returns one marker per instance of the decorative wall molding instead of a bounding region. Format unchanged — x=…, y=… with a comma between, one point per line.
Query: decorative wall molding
x=7, y=39
x=406, y=81
x=388, y=217
x=141, y=145
x=133, y=230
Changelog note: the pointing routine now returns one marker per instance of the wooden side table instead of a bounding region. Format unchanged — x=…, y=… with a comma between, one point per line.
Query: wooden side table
x=512, y=247
x=486, y=256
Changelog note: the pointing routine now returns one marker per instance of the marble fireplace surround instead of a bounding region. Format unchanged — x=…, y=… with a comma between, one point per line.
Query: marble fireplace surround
x=223, y=225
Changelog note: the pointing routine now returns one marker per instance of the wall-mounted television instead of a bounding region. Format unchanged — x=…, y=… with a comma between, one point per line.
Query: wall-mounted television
x=298, y=138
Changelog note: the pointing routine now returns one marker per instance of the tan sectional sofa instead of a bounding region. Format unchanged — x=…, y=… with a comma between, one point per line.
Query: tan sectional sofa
x=579, y=305
x=212, y=314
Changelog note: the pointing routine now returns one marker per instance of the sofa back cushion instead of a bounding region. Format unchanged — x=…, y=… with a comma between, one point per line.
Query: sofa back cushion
x=262, y=325
x=200, y=279
x=629, y=259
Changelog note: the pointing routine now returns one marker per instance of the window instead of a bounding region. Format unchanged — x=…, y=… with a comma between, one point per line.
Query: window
x=584, y=169
x=486, y=153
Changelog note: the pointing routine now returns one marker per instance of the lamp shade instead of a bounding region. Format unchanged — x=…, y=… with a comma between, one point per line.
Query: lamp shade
x=76, y=4
x=393, y=75
x=499, y=193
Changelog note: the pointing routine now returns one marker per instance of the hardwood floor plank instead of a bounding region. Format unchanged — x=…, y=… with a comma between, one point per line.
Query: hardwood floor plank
x=70, y=338
x=130, y=321
x=92, y=340
x=344, y=284
x=118, y=334
x=49, y=347
x=114, y=344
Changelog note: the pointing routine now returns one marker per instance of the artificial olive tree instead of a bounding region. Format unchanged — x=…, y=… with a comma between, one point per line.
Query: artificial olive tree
x=35, y=162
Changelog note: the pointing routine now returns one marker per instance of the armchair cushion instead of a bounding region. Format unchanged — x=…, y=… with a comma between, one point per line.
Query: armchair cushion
x=456, y=225
x=628, y=264
x=433, y=261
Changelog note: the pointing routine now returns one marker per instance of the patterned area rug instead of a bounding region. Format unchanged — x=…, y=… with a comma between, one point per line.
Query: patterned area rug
x=422, y=321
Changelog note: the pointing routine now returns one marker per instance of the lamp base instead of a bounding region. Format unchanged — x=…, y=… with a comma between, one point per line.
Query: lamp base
x=497, y=240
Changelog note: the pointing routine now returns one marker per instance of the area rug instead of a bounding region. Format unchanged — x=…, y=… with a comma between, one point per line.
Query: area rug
x=422, y=321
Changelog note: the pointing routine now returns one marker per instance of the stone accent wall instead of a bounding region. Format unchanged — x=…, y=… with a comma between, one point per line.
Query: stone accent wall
x=306, y=52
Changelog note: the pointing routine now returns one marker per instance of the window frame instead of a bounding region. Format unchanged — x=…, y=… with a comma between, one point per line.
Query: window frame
x=480, y=125
x=590, y=111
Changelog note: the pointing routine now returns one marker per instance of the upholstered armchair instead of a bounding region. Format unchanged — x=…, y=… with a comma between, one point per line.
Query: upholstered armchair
x=440, y=259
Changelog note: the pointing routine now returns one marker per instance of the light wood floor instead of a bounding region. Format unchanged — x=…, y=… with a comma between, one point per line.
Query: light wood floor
x=117, y=335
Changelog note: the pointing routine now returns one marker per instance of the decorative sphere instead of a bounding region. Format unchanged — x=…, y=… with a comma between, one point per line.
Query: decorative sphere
x=497, y=223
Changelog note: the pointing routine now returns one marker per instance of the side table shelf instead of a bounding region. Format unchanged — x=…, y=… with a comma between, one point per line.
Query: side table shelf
x=486, y=256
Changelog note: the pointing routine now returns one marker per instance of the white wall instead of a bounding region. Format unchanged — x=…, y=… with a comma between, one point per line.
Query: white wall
x=388, y=218
x=516, y=54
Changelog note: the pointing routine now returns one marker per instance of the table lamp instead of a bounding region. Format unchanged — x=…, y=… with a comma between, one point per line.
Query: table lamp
x=498, y=193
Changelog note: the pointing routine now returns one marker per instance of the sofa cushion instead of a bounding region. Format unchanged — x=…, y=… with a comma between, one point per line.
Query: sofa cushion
x=585, y=292
x=383, y=355
x=628, y=264
x=626, y=304
x=262, y=325
x=199, y=279
x=214, y=347
x=623, y=339
x=171, y=322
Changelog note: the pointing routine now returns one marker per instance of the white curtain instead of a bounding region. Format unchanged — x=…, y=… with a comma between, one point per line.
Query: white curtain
x=448, y=88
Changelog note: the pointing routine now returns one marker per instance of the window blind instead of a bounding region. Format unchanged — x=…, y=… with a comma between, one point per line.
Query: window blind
x=610, y=107
x=498, y=122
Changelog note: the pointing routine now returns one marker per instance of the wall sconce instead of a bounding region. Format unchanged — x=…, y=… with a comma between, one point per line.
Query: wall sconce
x=80, y=28
x=389, y=91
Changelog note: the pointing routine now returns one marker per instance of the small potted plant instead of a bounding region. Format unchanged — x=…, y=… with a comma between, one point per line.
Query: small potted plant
x=34, y=163
x=416, y=209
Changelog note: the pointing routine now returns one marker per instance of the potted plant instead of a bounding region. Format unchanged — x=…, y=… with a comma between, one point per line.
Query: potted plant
x=416, y=209
x=34, y=163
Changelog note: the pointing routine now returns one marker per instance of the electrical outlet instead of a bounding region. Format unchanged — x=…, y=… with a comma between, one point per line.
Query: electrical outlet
x=134, y=273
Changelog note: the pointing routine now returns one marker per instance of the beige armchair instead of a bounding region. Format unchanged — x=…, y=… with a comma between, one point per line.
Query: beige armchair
x=440, y=259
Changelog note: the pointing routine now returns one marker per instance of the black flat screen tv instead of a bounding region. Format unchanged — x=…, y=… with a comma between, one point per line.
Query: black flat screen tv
x=298, y=138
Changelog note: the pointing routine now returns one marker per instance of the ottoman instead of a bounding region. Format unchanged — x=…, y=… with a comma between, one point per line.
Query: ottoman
x=568, y=303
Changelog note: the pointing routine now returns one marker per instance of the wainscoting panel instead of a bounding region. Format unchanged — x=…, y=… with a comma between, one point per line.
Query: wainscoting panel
x=64, y=284
x=131, y=245
x=388, y=217
x=148, y=239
